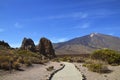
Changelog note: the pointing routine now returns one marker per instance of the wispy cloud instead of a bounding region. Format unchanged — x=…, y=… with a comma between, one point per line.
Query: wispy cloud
x=55, y=40
x=95, y=13
x=82, y=26
x=18, y=25
x=111, y=34
x=101, y=13
x=75, y=15
x=78, y=15
x=86, y=25
x=92, y=2
x=62, y=40
x=111, y=28
x=2, y=30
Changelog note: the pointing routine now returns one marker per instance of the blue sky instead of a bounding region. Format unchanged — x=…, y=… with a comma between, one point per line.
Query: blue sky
x=58, y=20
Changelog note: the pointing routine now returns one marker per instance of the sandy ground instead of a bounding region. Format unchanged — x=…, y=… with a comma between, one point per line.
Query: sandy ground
x=37, y=72
x=114, y=75
x=69, y=72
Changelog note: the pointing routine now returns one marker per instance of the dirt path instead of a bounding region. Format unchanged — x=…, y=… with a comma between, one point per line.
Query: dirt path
x=69, y=72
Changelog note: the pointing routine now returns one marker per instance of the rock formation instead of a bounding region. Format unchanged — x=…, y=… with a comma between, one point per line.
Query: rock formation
x=46, y=48
x=28, y=44
x=4, y=44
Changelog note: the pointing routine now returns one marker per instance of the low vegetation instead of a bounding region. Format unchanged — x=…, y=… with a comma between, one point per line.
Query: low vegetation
x=107, y=55
x=96, y=66
x=27, y=55
x=70, y=59
x=50, y=68
x=14, y=59
x=99, y=60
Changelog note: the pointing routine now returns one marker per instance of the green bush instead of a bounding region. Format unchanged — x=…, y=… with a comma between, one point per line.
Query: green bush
x=100, y=68
x=110, y=56
x=27, y=62
x=28, y=57
x=96, y=66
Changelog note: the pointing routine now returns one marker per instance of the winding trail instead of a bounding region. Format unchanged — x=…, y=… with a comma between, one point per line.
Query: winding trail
x=69, y=72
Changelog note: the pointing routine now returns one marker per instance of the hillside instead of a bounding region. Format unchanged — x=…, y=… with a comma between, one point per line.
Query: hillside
x=87, y=44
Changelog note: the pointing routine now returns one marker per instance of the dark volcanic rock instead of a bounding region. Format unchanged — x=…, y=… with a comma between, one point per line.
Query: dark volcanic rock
x=46, y=48
x=4, y=44
x=28, y=44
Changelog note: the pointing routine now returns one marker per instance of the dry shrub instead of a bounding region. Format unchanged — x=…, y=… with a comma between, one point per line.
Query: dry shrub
x=50, y=68
x=5, y=65
x=96, y=66
x=16, y=65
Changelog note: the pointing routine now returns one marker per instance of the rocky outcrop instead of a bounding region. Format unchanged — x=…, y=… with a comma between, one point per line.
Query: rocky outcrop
x=28, y=44
x=4, y=44
x=45, y=47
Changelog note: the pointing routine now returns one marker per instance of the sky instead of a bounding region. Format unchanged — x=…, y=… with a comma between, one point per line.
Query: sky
x=57, y=20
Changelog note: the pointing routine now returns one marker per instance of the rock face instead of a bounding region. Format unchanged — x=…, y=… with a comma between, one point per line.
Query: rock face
x=45, y=47
x=28, y=44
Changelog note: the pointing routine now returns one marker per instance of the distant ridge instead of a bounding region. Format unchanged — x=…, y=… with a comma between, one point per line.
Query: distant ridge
x=87, y=44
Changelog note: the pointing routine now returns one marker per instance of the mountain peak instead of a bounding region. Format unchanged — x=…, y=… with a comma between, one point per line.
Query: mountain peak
x=93, y=34
x=88, y=43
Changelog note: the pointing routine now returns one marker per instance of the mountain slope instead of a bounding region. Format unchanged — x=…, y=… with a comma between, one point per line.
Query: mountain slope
x=87, y=44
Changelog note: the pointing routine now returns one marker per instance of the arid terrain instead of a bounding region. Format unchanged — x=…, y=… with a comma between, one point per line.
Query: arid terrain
x=59, y=39
x=37, y=72
x=113, y=75
x=35, y=62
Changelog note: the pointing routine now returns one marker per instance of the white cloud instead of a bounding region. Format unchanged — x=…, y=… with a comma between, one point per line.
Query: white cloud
x=18, y=25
